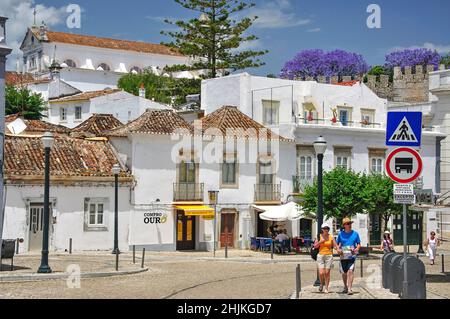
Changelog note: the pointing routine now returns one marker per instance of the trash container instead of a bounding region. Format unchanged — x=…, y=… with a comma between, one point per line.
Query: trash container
x=386, y=274
x=416, y=279
x=396, y=274
x=7, y=252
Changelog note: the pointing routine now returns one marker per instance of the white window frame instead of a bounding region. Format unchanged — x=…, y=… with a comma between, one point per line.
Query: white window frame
x=80, y=108
x=306, y=166
x=226, y=161
x=341, y=156
x=96, y=202
x=349, y=111
x=370, y=115
x=379, y=163
x=63, y=114
x=274, y=107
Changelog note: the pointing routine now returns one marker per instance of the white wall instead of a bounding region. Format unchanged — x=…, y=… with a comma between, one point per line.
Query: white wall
x=70, y=216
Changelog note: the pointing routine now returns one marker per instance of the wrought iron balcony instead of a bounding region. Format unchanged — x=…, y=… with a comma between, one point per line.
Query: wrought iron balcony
x=183, y=192
x=300, y=183
x=267, y=193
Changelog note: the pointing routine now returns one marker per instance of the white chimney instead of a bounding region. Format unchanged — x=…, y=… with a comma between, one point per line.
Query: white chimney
x=142, y=91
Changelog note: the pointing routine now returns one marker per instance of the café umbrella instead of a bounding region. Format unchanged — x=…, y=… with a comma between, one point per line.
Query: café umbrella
x=288, y=212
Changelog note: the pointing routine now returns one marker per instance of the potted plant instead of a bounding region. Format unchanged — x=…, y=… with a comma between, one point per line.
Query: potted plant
x=335, y=116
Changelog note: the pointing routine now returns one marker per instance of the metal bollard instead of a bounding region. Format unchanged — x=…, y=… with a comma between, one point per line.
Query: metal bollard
x=117, y=261
x=226, y=249
x=443, y=264
x=272, y=250
x=362, y=268
x=298, y=282
x=17, y=246
x=70, y=246
x=143, y=258
x=134, y=254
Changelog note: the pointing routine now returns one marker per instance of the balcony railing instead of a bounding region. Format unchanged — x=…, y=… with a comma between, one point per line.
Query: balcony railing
x=329, y=122
x=300, y=183
x=267, y=192
x=183, y=192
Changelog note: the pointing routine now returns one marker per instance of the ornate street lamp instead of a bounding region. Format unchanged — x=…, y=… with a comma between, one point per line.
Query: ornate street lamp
x=47, y=140
x=213, y=200
x=320, y=147
x=116, y=171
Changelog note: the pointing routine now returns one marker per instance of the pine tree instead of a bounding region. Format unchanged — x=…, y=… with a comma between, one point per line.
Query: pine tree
x=213, y=39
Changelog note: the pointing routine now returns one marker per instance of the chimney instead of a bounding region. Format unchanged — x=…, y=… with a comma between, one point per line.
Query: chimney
x=142, y=91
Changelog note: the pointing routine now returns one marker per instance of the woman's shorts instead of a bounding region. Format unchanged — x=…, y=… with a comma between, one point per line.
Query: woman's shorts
x=325, y=261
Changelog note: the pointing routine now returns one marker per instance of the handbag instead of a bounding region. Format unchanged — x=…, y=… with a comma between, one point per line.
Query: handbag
x=314, y=253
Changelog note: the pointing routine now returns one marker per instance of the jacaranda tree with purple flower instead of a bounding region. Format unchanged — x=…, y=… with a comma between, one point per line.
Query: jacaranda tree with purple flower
x=316, y=62
x=412, y=57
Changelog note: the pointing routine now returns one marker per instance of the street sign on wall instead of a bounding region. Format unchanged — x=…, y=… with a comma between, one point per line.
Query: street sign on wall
x=405, y=199
x=404, y=129
x=404, y=165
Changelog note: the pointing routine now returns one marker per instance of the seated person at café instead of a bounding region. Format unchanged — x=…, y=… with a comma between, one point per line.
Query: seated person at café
x=280, y=238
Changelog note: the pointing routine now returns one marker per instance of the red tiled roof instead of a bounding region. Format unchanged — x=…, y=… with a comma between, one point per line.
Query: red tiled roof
x=70, y=157
x=85, y=96
x=115, y=44
x=229, y=117
x=163, y=122
x=16, y=79
x=351, y=83
x=97, y=125
x=36, y=126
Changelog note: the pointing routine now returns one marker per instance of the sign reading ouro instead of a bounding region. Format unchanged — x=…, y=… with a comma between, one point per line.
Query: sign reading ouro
x=404, y=165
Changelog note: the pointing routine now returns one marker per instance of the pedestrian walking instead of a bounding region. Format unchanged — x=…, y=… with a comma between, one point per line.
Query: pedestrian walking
x=349, y=244
x=325, y=257
x=387, y=246
x=431, y=244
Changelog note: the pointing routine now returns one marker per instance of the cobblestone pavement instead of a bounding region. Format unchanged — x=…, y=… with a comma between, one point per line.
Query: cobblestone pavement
x=196, y=276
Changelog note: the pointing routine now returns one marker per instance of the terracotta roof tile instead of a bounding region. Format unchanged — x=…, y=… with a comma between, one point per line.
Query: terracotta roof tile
x=350, y=83
x=115, y=44
x=70, y=157
x=229, y=117
x=16, y=79
x=97, y=125
x=85, y=96
x=153, y=122
x=36, y=126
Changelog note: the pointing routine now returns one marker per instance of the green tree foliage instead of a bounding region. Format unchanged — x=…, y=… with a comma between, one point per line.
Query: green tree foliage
x=214, y=40
x=23, y=102
x=446, y=60
x=162, y=89
x=379, y=198
x=342, y=194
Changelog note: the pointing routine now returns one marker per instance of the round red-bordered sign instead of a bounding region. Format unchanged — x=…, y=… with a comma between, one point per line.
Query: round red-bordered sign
x=416, y=172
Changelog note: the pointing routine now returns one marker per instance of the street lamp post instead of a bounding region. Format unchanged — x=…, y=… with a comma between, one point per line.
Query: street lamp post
x=116, y=171
x=320, y=146
x=213, y=200
x=47, y=140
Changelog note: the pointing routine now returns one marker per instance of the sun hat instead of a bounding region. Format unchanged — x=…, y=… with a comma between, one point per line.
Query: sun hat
x=347, y=221
x=387, y=232
x=325, y=225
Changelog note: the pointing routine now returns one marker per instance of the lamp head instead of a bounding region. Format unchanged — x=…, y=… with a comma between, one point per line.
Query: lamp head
x=116, y=169
x=48, y=140
x=320, y=145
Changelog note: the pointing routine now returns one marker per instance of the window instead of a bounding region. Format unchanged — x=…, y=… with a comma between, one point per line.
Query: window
x=63, y=114
x=33, y=62
x=70, y=63
x=306, y=170
x=96, y=217
x=78, y=112
x=343, y=156
x=367, y=117
x=96, y=214
x=377, y=165
x=271, y=112
x=103, y=67
x=187, y=172
x=229, y=170
x=265, y=172
x=377, y=160
x=345, y=116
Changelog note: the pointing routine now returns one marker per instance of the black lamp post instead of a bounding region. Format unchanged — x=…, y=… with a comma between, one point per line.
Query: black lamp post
x=47, y=140
x=116, y=171
x=213, y=199
x=320, y=146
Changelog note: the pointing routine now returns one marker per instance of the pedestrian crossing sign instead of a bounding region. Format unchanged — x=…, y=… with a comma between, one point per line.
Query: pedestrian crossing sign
x=404, y=129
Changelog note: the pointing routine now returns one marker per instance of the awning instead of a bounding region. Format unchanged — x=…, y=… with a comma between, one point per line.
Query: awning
x=290, y=211
x=197, y=210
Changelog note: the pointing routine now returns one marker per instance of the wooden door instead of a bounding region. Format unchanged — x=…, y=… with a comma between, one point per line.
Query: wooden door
x=227, y=230
x=185, y=231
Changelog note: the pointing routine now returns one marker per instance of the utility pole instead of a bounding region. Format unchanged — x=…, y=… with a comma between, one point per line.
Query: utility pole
x=4, y=51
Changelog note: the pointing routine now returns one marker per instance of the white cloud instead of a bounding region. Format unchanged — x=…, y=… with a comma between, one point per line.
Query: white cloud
x=277, y=14
x=20, y=14
x=313, y=30
x=440, y=48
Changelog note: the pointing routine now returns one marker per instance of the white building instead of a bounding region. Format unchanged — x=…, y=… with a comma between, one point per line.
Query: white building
x=350, y=116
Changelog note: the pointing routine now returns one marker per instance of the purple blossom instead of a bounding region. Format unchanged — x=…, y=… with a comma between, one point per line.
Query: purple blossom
x=413, y=57
x=317, y=62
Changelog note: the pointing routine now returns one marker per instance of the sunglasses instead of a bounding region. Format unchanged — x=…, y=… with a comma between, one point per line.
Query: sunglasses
x=348, y=224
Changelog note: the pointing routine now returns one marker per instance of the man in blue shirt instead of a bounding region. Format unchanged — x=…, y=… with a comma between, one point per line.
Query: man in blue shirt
x=349, y=244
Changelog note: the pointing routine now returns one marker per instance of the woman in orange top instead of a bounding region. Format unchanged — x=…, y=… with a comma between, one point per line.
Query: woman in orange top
x=325, y=257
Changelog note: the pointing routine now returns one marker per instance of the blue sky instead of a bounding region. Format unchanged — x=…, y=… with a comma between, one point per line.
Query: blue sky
x=284, y=28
